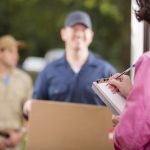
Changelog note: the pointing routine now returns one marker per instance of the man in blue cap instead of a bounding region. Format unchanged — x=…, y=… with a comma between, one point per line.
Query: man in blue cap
x=70, y=78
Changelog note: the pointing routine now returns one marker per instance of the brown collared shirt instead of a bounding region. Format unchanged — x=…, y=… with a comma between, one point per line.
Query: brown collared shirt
x=13, y=93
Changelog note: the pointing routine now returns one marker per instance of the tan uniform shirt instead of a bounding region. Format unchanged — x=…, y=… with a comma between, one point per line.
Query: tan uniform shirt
x=12, y=97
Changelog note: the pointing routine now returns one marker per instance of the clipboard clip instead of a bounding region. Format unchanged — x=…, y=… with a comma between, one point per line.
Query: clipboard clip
x=103, y=80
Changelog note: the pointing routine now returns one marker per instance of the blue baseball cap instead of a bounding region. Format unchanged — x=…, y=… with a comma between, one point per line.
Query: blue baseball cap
x=77, y=17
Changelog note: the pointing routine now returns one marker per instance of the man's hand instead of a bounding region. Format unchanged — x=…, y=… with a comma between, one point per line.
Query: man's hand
x=2, y=143
x=27, y=107
x=14, y=138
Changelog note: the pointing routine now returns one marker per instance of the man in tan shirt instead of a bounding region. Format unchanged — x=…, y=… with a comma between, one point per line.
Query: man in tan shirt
x=15, y=89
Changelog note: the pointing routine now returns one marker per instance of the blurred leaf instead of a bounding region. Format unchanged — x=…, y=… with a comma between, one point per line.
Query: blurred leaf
x=111, y=10
x=38, y=23
x=89, y=3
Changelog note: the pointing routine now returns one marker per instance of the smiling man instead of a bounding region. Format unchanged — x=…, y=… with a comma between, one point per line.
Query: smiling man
x=70, y=78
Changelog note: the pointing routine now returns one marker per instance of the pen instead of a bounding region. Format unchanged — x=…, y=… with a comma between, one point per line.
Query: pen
x=124, y=72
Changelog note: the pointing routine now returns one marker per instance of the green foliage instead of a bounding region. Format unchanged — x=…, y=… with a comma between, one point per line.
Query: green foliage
x=38, y=22
x=111, y=10
x=90, y=4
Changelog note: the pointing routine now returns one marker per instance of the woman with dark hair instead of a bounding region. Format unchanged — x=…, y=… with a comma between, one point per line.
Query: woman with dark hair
x=143, y=14
x=132, y=131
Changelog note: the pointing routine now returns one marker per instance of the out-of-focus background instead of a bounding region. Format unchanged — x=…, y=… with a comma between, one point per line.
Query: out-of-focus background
x=38, y=23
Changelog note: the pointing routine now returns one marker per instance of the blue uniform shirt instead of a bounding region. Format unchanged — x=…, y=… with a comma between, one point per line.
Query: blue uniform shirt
x=58, y=81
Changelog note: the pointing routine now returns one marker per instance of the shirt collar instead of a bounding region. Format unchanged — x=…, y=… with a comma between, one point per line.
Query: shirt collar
x=90, y=61
x=62, y=61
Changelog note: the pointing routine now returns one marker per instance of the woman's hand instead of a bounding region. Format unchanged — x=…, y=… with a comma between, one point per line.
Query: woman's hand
x=115, y=120
x=122, y=84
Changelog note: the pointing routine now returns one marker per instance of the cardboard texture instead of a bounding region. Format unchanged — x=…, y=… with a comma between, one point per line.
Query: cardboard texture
x=67, y=126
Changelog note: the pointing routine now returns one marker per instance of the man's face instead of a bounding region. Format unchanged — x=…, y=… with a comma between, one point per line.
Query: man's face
x=77, y=37
x=9, y=56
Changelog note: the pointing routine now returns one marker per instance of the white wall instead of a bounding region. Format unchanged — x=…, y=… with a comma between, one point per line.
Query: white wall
x=137, y=35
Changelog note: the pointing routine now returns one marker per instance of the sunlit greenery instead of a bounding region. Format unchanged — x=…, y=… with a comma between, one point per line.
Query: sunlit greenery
x=38, y=22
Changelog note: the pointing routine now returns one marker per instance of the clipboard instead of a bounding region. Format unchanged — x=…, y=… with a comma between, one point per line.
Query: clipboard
x=68, y=126
x=116, y=102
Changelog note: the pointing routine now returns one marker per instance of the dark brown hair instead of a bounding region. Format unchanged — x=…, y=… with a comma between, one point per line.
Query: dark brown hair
x=144, y=10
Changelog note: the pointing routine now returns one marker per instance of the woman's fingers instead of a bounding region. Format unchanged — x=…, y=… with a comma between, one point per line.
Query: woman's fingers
x=115, y=119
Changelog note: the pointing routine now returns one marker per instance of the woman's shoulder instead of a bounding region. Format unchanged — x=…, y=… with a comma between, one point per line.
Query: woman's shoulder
x=144, y=59
x=146, y=54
